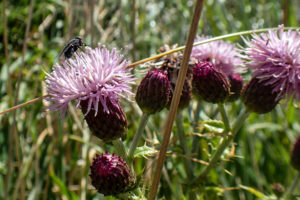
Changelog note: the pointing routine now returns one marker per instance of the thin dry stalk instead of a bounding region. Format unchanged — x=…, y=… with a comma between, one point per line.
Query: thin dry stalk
x=70, y=19
x=10, y=93
x=14, y=129
x=24, y=104
x=133, y=21
x=285, y=9
x=92, y=22
x=175, y=99
x=5, y=42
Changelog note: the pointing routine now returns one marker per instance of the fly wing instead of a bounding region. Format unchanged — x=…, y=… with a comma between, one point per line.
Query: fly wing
x=64, y=50
x=69, y=44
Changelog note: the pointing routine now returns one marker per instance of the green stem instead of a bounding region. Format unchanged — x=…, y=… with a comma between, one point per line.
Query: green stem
x=292, y=187
x=138, y=134
x=224, y=144
x=120, y=149
x=224, y=117
x=188, y=166
x=195, y=145
x=183, y=144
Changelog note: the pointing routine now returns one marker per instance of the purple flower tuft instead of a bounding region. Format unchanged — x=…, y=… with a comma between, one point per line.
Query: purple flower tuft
x=96, y=75
x=275, y=57
x=222, y=54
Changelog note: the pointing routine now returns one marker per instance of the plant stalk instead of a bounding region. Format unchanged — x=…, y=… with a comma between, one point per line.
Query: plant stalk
x=137, y=136
x=120, y=149
x=224, y=117
x=184, y=146
x=289, y=193
x=175, y=100
x=224, y=144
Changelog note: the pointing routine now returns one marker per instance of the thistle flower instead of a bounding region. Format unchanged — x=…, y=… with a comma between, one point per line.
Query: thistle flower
x=275, y=57
x=295, y=155
x=222, y=54
x=236, y=85
x=153, y=92
x=95, y=78
x=209, y=83
x=111, y=175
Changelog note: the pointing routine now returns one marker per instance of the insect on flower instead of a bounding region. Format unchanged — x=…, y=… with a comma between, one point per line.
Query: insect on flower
x=72, y=46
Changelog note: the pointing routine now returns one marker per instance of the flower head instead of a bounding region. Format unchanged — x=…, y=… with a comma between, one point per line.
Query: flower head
x=111, y=175
x=275, y=57
x=258, y=96
x=209, y=83
x=96, y=76
x=106, y=126
x=153, y=92
x=222, y=54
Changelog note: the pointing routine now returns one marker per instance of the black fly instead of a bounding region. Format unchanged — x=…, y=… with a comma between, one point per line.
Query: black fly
x=72, y=46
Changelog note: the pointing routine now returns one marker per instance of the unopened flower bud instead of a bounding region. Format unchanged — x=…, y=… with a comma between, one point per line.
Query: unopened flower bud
x=278, y=189
x=186, y=95
x=111, y=175
x=210, y=83
x=153, y=92
x=259, y=97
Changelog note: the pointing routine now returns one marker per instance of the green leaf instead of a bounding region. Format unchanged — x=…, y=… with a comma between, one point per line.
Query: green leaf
x=63, y=188
x=213, y=126
x=144, y=151
x=255, y=192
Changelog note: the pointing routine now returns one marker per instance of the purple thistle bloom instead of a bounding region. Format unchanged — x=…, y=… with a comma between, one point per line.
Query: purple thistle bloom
x=96, y=75
x=222, y=54
x=275, y=57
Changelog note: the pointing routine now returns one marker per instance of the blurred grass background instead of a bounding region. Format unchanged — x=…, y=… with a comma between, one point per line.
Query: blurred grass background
x=44, y=157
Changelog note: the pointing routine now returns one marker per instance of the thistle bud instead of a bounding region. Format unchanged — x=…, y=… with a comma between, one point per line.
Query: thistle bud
x=210, y=83
x=278, y=189
x=186, y=95
x=106, y=125
x=153, y=92
x=236, y=85
x=295, y=155
x=259, y=97
x=111, y=175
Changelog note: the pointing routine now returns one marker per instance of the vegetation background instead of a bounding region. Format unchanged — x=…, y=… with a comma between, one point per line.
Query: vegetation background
x=45, y=157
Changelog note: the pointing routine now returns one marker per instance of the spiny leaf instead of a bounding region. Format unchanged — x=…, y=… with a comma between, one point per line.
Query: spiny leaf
x=213, y=126
x=144, y=151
